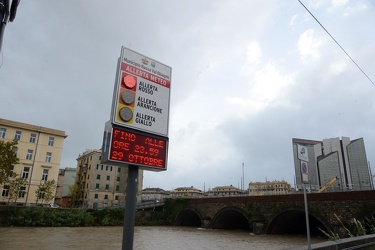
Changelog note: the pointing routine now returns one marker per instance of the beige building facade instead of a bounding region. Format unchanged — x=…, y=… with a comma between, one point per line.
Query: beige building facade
x=224, y=191
x=186, y=192
x=270, y=188
x=101, y=185
x=39, y=151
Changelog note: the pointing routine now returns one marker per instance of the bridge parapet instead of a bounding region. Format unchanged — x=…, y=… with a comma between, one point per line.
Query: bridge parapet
x=270, y=214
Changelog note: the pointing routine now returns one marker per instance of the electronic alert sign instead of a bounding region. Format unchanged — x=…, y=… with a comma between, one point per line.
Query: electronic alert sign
x=141, y=94
x=125, y=146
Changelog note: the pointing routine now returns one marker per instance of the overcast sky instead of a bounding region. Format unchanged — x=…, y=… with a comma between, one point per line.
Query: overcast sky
x=247, y=77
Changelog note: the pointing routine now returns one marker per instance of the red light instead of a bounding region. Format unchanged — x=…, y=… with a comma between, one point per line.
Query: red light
x=129, y=81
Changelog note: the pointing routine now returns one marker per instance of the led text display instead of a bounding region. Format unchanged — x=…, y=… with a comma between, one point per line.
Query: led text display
x=138, y=149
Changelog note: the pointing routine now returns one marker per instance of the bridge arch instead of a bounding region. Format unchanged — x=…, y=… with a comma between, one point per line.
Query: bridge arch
x=293, y=221
x=188, y=218
x=231, y=218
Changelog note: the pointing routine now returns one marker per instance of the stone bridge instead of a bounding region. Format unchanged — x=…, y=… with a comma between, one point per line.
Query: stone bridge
x=278, y=214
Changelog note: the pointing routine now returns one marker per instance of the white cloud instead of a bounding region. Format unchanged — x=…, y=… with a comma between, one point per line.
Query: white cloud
x=336, y=3
x=308, y=46
x=253, y=53
x=339, y=66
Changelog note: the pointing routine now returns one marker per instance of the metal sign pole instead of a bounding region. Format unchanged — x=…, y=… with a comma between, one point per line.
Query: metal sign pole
x=130, y=205
x=307, y=217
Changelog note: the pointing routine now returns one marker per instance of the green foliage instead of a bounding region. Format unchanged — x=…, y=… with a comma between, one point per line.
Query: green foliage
x=108, y=216
x=54, y=217
x=7, y=159
x=174, y=207
x=371, y=224
x=331, y=235
x=73, y=190
x=45, y=191
x=15, y=186
x=357, y=228
x=45, y=217
x=150, y=218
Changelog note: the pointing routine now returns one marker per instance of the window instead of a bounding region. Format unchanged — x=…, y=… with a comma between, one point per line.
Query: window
x=51, y=140
x=98, y=176
x=108, y=177
x=96, y=196
x=118, y=178
x=116, y=197
x=48, y=156
x=106, y=197
x=119, y=170
x=17, y=135
x=101, y=167
x=106, y=168
x=97, y=186
x=29, y=155
x=5, y=192
x=41, y=193
x=25, y=173
x=106, y=186
x=3, y=132
x=11, y=169
x=45, y=175
x=117, y=188
x=32, y=138
x=15, y=150
x=22, y=192
x=97, y=166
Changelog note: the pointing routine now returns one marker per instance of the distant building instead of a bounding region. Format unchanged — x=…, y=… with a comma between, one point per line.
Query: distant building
x=154, y=194
x=60, y=181
x=186, y=192
x=270, y=188
x=65, y=185
x=224, y=191
x=39, y=150
x=99, y=185
x=335, y=157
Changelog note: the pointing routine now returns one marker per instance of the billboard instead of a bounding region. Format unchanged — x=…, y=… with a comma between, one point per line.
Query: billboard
x=141, y=94
x=302, y=153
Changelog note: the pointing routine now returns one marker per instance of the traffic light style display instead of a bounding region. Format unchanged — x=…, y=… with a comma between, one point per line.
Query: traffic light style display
x=141, y=94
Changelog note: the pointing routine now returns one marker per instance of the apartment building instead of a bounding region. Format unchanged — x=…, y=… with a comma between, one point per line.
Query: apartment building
x=224, y=191
x=65, y=185
x=186, y=192
x=39, y=150
x=154, y=194
x=100, y=185
x=270, y=188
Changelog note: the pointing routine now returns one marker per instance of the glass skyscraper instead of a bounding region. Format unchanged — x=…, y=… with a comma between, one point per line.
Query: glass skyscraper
x=332, y=158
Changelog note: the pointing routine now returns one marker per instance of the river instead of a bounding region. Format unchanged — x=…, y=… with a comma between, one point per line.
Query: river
x=145, y=238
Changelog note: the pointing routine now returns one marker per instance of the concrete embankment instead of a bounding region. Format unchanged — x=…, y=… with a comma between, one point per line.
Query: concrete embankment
x=366, y=242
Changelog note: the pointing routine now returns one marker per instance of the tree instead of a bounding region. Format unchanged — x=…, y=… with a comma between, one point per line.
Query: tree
x=73, y=190
x=17, y=189
x=7, y=159
x=45, y=191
